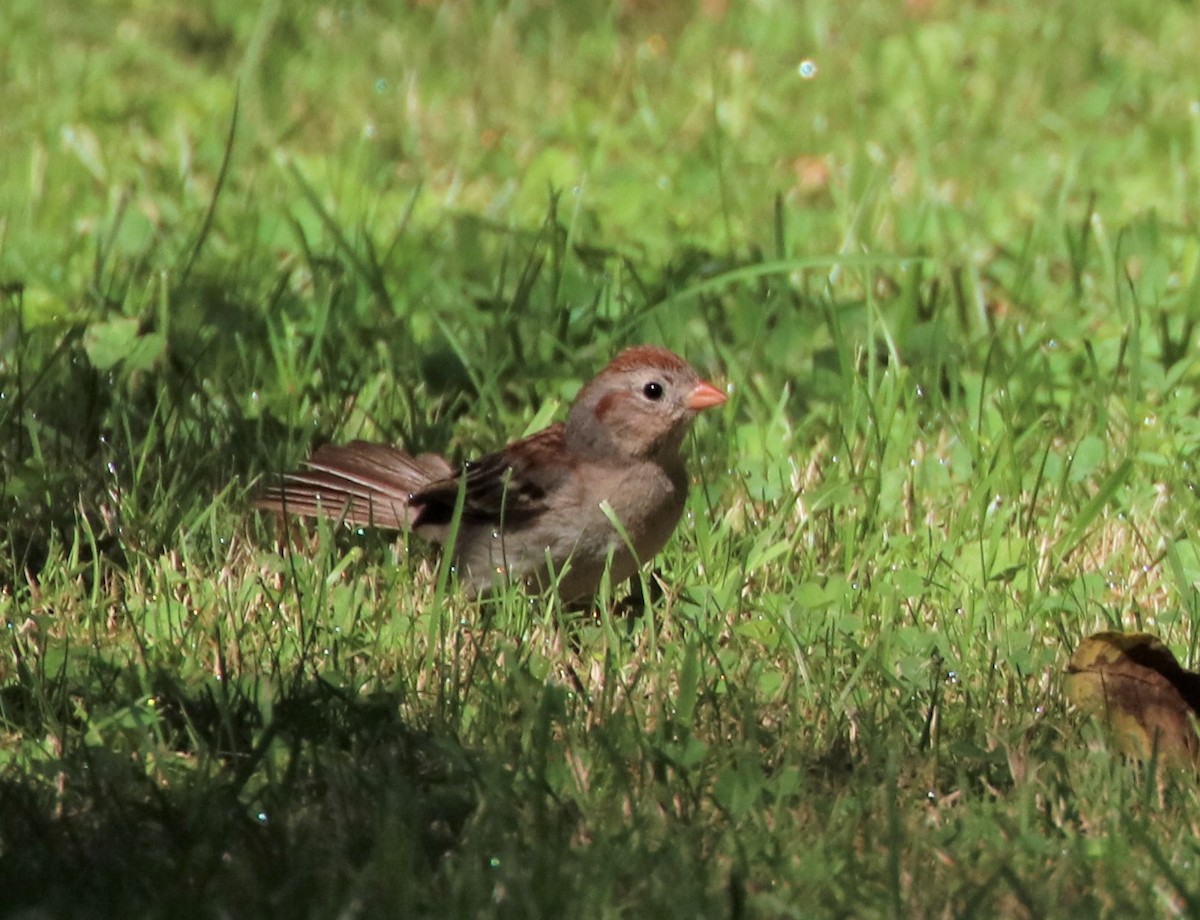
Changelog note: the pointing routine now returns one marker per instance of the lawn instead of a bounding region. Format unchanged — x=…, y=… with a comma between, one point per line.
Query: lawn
x=944, y=257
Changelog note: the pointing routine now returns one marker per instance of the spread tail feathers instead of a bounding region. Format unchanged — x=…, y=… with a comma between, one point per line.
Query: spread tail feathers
x=360, y=483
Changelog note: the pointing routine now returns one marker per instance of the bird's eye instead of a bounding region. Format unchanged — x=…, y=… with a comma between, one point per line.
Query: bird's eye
x=653, y=391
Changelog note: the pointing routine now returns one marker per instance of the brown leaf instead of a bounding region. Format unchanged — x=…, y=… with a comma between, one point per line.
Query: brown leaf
x=1146, y=698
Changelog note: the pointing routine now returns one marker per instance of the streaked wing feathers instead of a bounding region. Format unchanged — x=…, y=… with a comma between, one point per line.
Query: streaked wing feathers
x=509, y=487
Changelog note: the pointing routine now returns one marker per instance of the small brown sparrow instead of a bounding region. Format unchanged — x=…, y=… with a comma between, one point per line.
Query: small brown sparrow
x=541, y=509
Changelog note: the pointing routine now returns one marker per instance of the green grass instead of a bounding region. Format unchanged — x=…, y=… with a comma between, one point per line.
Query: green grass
x=951, y=279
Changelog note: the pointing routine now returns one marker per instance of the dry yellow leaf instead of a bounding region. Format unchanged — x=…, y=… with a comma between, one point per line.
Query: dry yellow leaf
x=1146, y=698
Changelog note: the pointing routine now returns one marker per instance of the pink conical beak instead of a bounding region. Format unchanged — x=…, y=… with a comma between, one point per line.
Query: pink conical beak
x=705, y=396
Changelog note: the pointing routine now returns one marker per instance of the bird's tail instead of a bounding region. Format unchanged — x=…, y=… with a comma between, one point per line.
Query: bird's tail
x=360, y=483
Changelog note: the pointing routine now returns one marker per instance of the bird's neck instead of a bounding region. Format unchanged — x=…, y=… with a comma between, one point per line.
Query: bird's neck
x=612, y=445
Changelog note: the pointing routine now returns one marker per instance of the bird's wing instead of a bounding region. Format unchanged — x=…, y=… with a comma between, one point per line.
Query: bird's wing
x=507, y=488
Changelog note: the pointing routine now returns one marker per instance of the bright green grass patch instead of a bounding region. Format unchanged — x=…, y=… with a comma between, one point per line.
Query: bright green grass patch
x=946, y=258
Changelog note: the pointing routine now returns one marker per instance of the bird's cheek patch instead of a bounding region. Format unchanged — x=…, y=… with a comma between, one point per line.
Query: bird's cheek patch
x=607, y=404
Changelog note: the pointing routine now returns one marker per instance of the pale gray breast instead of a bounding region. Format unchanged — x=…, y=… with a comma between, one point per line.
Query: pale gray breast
x=578, y=534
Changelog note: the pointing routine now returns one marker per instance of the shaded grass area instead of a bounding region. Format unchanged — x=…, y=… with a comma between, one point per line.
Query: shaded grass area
x=951, y=279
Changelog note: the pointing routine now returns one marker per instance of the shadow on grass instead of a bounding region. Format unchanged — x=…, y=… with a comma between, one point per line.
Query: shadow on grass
x=334, y=800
